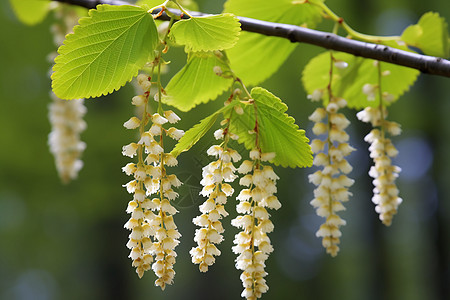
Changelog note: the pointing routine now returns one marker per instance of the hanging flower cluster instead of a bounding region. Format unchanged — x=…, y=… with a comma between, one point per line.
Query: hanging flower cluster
x=154, y=235
x=66, y=117
x=216, y=178
x=331, y=181
x=252, y=245
x=381, y=151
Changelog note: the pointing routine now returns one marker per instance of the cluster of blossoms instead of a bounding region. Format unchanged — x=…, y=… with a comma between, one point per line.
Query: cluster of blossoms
x=331, y=181
x=252, y=245
x=66, y=117
x=216, y=178
x=381, y=151
x=154, y=234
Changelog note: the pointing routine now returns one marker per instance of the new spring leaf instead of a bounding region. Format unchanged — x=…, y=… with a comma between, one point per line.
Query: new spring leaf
x=209, y=33
x=277, y=131
x=105, y=51
x=197, y=82
x=430, y=35
x=193, y=135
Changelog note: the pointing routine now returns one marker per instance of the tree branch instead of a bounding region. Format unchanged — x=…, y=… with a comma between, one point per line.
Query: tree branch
x=296, y=34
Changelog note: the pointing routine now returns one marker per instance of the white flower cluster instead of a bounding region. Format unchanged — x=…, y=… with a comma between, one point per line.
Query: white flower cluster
x=384, y=173
x=331, y=181
x=154, y=234
x=216, y=178
x=252, y=245
x=66, y=118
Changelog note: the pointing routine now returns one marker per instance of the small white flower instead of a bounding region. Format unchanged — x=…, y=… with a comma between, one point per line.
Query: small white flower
x=246, y=180
x=155, y=130
x=142, y=78
x=217, y=70
x=140, y=173
x=174, y=133
x=235, y=156
x=170, y=160
x=214, y=150
x=318, y=115
x=132, y=123
x=171, y=117
x=144, y=82
x=151, y=158
x=393, y=128
x=158, y=119
x=146, y=85
x=340, y=121
x=319, y=128
x=267, y=156
x=130, y=150
x=273, y=202
x=244, y=207
x=234, y=137
x=255, y=154
x=332, y=107
x=129, y=169
x=336, y=135
x=138, y=100
x=388, y=97
x=154, y=148
x=316, y=95
x=218, y=134
x=340, y=64
x=370, y=91
x=146, y=139
x=227, y=189
x=239, y=110
x=317, y=145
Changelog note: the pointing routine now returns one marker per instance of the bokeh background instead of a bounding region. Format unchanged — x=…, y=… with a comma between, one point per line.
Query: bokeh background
x=68, y=242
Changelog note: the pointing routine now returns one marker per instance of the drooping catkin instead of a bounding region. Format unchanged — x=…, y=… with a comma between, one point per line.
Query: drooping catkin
x=217, y=177
x=383, y=172
x=331, y=180
x=252, y=244
x=154, y=235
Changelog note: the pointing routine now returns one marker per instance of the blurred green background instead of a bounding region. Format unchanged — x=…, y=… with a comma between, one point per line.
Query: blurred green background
x=68, y=241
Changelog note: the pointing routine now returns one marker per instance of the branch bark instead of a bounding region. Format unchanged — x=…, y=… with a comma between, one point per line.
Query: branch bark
x=424, y=63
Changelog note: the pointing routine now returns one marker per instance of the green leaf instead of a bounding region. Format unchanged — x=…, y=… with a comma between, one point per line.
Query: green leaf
x=197, y=82
x=105, y=51
x=277, y=131
x=256, y=57
x=429, y=35
x=217, y=32
x=193, y=135
x=348, y=83
x=30, y=12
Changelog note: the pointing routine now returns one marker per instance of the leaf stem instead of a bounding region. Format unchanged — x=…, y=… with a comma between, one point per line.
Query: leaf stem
x=185, y=12
x=237, y=79
x=380, y=95
x=351, y=32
